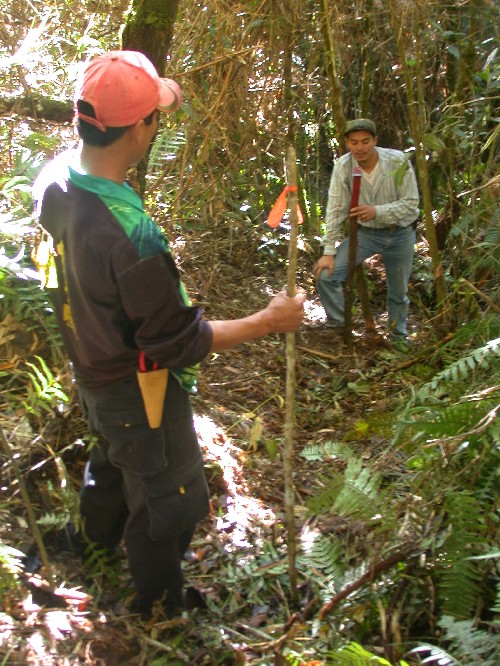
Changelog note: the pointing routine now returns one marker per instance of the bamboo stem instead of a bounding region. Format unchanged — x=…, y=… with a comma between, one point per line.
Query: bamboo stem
x=417, y=121
x=291, y=357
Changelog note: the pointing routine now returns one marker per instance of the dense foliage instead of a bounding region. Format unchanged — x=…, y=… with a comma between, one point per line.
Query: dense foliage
x=399, y=518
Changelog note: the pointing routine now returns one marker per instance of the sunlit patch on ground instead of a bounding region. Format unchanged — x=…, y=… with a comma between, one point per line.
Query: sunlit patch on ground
x=315, y=313
x=241, y=510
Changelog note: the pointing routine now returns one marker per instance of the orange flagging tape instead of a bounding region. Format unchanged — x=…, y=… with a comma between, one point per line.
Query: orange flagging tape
x=278, y=210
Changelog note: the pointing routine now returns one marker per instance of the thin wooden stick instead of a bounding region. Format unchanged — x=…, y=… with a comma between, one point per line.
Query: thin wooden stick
x=353, y=247
x=29, y=509
x=291, y=358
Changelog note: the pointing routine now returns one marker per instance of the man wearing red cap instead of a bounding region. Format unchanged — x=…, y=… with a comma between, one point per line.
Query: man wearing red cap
x=119, y=298
x=386, y=215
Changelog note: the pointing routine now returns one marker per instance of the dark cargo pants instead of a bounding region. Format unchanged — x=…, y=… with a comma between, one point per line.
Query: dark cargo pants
x=145, y=485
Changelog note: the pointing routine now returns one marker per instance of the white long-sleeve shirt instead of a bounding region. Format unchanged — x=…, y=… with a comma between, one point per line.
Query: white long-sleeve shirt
x=393, y=193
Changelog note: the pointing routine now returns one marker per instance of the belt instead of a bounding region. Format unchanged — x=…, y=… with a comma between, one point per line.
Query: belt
x=390, y=228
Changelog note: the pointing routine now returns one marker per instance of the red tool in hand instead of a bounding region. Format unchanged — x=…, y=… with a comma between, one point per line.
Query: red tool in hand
x=356, y=184
x=353, y=247
x=353, y=225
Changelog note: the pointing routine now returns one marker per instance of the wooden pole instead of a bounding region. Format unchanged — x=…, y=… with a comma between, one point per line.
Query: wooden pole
x=291, y=358
x=353, y=246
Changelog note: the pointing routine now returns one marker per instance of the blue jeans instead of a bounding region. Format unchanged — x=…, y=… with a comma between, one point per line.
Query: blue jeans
x=396, y=246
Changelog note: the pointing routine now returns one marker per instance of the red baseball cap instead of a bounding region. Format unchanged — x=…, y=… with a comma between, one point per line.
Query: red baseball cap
x=123, y=87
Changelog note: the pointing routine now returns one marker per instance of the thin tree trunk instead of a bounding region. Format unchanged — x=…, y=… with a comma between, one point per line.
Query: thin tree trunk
x=149, y=28
x=416, y=108
x=337, y=99
x=353, y=248
x=29, y=510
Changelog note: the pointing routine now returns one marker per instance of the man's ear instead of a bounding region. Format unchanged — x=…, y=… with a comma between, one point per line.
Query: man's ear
x=136, y=127
x=135, y=130
x=375, y=140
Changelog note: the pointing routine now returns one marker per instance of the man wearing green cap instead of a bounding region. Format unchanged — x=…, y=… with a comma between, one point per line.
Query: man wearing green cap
x=387, y=213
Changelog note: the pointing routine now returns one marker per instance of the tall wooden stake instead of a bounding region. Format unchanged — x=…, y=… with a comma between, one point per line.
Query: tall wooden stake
x=353, y=247
x=291, y=358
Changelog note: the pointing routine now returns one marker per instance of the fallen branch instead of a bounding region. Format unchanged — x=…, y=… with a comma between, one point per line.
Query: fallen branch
x=420, y=357
x=294, y=622
x=315, y=352
x=369, y=576
x=485, y=298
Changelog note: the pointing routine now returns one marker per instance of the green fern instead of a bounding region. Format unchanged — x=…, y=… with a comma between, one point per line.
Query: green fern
x=434, y=655
x=326, y=451
x=356, y=655
x=480, y=359
x=328, y=556
x=470, y=645
x=356, y=492
x=47, y=391
x=10, y=567
x=459, y=577
x=165, y=147
x=457, y=418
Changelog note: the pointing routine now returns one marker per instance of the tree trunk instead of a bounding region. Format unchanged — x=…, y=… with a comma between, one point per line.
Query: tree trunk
x=417, y=120
x=337, y=99
x=149, y=29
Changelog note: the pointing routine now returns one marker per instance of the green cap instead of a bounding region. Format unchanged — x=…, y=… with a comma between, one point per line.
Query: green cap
x=360, y=124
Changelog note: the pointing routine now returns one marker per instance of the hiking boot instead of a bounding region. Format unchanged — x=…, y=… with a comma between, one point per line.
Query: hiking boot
x=400, y=343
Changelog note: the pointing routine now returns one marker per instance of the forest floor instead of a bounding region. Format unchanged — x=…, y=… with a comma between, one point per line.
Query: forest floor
x=238, y=559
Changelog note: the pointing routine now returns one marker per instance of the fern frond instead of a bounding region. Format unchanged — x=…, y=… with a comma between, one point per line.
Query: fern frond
x=479, y=359
x=361, y=493
x=496, y=606
x=165, y=147
x=325, y=499
x=452, y=420
x=435, y=655
x=460, y=577
x=460, y=586
x=10, y=567
x=471, y=645
x=53, y=521
x=357, y=492
x=327, y=555
x=355, y=654
x=328, y=450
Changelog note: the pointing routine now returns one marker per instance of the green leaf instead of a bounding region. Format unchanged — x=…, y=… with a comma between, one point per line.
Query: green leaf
x=433, y=142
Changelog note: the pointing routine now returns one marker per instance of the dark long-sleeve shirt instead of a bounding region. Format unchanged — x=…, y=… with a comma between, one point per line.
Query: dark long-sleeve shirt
x=119, y=290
